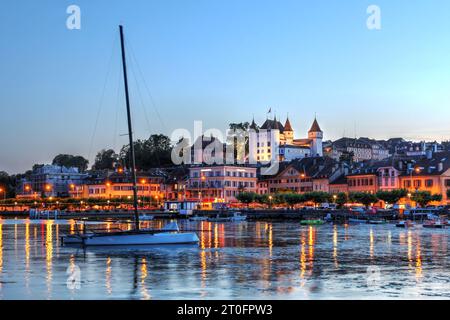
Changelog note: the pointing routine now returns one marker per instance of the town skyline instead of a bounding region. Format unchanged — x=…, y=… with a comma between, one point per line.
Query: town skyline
x=297, y=59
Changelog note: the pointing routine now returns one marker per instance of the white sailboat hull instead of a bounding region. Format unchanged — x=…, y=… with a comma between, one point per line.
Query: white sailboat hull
x=141, y=239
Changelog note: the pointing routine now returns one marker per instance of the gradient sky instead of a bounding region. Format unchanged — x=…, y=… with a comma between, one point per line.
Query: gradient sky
x=219, y=61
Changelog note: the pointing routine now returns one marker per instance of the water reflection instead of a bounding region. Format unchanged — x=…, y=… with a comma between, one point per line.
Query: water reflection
x=49, y=255
x=249, y=260
x=1, y=253
x=108, y=276
x=335, y=246
x=144, y=273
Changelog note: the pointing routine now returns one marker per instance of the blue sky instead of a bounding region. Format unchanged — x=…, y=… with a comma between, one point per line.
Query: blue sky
x=218, y=61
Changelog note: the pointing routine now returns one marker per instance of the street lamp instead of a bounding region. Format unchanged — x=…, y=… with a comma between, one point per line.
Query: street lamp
x=270, y=201
x=4, y=193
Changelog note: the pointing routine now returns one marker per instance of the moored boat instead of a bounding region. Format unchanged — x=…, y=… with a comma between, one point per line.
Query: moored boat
x=198, y=218
x=355, y=220
x=435, y=224
x=312, y=222
x=228, y=217
x=405, y=224
x=376, y=221
x=146, y=218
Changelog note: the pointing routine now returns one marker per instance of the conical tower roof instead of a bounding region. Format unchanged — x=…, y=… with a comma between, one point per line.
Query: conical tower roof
x=254, y=126
x=287, y=126
x=315, y=127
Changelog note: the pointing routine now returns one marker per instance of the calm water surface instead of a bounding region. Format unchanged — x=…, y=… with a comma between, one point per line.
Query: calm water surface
x=250, y=260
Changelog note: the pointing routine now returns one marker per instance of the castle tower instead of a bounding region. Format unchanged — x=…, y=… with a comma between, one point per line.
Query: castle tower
x=288, y=132
x=315, y=134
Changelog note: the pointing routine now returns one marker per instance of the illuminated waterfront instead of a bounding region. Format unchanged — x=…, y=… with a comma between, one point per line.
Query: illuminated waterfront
x=251, y=260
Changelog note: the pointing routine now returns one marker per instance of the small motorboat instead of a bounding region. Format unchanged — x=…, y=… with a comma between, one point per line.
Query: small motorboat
x=198, y=218
x=146, y=218
x=228, y=217
x=376, y=221
x=312, y=222
x=405, y=224
x=355, y=221
x=435, y=224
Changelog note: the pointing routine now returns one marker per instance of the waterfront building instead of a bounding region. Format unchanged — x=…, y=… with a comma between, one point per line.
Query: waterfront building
x=220, y=183
x=431, y=173
x=49, y=181
x=363, y=181
x=119, y=184
x=305, y=175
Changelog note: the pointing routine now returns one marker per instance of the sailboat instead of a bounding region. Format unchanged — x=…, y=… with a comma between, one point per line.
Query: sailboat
x=170, y=234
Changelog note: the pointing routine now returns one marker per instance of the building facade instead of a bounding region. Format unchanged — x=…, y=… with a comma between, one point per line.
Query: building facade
x=275, y=141
x=221, y=183
x=49, y=181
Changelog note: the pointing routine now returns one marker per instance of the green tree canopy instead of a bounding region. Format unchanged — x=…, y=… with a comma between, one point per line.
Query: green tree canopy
x=293, y=198
x=363, y=197
x=423, y=198
x=246, y=197
x=151, y=153
x=105, y=159
x=393, y=196
x=341, y=199
x=68, y=160
x=317, y=197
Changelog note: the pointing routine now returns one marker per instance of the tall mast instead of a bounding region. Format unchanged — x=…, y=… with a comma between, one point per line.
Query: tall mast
x=130, y=131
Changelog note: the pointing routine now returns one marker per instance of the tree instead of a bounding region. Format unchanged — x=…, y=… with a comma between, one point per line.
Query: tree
x=423, y=198
x=246, y=197
x=363, y=197
x=105, y=159
x=393, y=196
x=341, y=199
x=317, y=197
x=293, y=198
x=154, y=152
x=8, y=185
x=68, y=160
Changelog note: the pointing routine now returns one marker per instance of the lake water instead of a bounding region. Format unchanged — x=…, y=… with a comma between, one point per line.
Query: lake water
x=250, y=260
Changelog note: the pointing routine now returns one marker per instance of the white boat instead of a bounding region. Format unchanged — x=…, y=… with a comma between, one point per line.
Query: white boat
x=435, y=224
x=228, y=217
x=405, y=224
x=170, y=234
x=146, y=218
x=198, y=218
x=353, y=220
x=141, y=237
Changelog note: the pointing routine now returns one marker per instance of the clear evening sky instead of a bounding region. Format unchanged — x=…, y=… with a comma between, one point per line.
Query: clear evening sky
x=219, y=61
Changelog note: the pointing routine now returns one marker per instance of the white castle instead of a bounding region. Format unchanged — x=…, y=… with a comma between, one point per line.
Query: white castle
x=276, y=141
